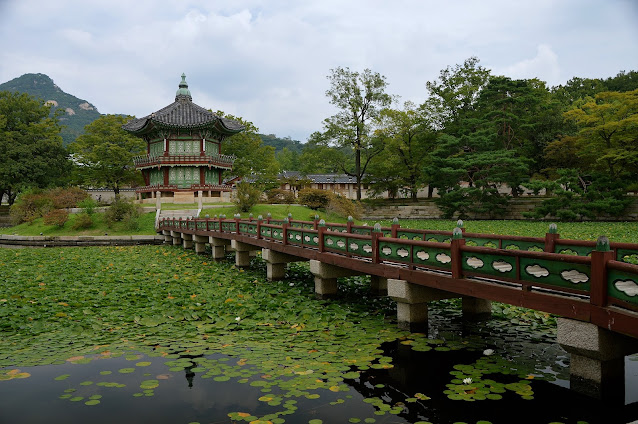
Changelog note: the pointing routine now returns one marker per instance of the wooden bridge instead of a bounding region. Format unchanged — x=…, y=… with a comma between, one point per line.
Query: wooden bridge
x=593, y=286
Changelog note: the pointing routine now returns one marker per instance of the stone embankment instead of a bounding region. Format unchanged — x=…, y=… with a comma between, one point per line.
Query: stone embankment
x=427, y=209
x=7, y=240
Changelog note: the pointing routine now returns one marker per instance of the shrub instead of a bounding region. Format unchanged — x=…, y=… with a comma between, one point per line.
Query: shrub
x=82, y=221
x=278, y=195
x=247, y=196
x=57, y=217
x=119, y=210
x=345, y=207
x=29, y=206
x=315, y=198
x=37, y=203
x=88, y=204
x=66, y=197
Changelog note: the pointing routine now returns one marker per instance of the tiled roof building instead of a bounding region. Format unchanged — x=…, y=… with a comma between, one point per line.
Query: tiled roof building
x=184, y=160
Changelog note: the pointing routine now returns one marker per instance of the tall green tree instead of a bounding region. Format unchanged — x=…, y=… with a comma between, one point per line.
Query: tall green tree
x=31, y=151
x=455, y=92
x=408, y=141
x=359, y=97
x=608, y=132
x=253, y=158
x=104, y=153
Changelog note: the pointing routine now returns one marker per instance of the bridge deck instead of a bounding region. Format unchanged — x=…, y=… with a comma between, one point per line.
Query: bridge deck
x=564, y=277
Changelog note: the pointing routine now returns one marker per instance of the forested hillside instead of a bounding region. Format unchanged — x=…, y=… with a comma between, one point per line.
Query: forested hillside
x=74, y=113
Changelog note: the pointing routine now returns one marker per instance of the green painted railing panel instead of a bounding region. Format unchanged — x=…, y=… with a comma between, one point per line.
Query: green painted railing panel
x=337, y=229
x=311, y=239
x=482, y=242
x=251, y=228
x=362, y=231
x=629, y=256
x=295, y=237
x=483, y=263
x=623, y=286
x=573, y=250
x=229, y=226
x=201, y=225
x=395, y=251
x=360, y=247
x=409, y=235
x=441, y=238
x=431, y=256
x=278, y=233
x=523, y=245
x=335, y=242
x=266, y=232
x=556, y=273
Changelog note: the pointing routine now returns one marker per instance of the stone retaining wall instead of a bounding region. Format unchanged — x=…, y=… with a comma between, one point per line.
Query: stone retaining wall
x=58, y=241
x=427, y=209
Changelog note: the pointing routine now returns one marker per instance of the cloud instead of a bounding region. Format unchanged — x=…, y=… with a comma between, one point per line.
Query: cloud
x=544, y=66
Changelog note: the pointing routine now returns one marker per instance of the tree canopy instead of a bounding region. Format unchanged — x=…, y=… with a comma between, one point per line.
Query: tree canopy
x=104, y=153
x=31, y=151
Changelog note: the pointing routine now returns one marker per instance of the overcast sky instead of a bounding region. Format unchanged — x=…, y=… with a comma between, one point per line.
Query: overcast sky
x=267, y=61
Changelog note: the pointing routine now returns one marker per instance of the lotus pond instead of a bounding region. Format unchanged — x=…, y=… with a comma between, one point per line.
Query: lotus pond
x=162, y=335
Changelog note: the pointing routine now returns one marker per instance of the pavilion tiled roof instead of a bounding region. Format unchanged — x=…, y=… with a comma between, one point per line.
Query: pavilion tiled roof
x=183, y=113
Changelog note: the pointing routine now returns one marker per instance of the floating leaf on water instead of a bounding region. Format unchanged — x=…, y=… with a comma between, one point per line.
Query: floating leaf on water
x=62, y=377
x=92, y=402
x=126, y=370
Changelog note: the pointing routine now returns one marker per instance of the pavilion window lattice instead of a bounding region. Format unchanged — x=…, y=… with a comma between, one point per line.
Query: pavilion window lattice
x=183, y=147
x=157, y=149
x=183, y=177
x=156, y=177
x=212, y=176
x=212, y=148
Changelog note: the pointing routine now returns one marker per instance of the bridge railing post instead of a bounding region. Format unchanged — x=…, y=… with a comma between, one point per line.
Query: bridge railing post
x=376, y=235
x=349, y=224
x=237, y=219
x=320, y=232
x=395, y=227
x=551, y=237
x=455, y=252
x=284, y=230
x=315, y=222
x=599, y=259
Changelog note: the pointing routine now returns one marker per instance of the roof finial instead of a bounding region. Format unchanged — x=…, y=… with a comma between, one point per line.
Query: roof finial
x=183, y=91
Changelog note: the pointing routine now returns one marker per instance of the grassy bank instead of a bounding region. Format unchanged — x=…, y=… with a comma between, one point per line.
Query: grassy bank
x=626, y=232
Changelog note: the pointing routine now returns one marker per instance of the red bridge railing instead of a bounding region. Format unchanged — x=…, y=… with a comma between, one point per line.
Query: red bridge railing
x=581, y=271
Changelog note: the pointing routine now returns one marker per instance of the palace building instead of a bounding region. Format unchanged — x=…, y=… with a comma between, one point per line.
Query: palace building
x=184, y=160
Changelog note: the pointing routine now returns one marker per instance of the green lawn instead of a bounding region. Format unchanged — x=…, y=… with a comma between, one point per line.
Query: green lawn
x=616, y=231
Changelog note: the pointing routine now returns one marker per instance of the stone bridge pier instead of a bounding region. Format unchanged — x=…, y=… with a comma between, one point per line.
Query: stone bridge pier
x=326, y=278
x=276, y=263
x=597, y=364
x=412, y=304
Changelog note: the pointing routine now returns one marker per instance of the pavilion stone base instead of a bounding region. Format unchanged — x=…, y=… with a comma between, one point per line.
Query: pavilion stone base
x=597, y=364
x=326, y=278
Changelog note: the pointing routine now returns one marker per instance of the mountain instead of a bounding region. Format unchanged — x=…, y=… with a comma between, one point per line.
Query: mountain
x=280, y=143
x=75, y=113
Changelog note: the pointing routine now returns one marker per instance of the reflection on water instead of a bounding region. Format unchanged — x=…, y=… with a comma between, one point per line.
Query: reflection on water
x=183, y=389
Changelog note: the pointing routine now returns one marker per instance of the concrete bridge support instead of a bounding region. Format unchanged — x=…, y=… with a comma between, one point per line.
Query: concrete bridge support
x=218, y=247
x=597, y=364
x=242, y=253
x=326, y=278
x=412, y=303
x=187, y=240
x=276, y=263
x=200, y=243
x=168, y=239
x=476, y=309
x=177, y=238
